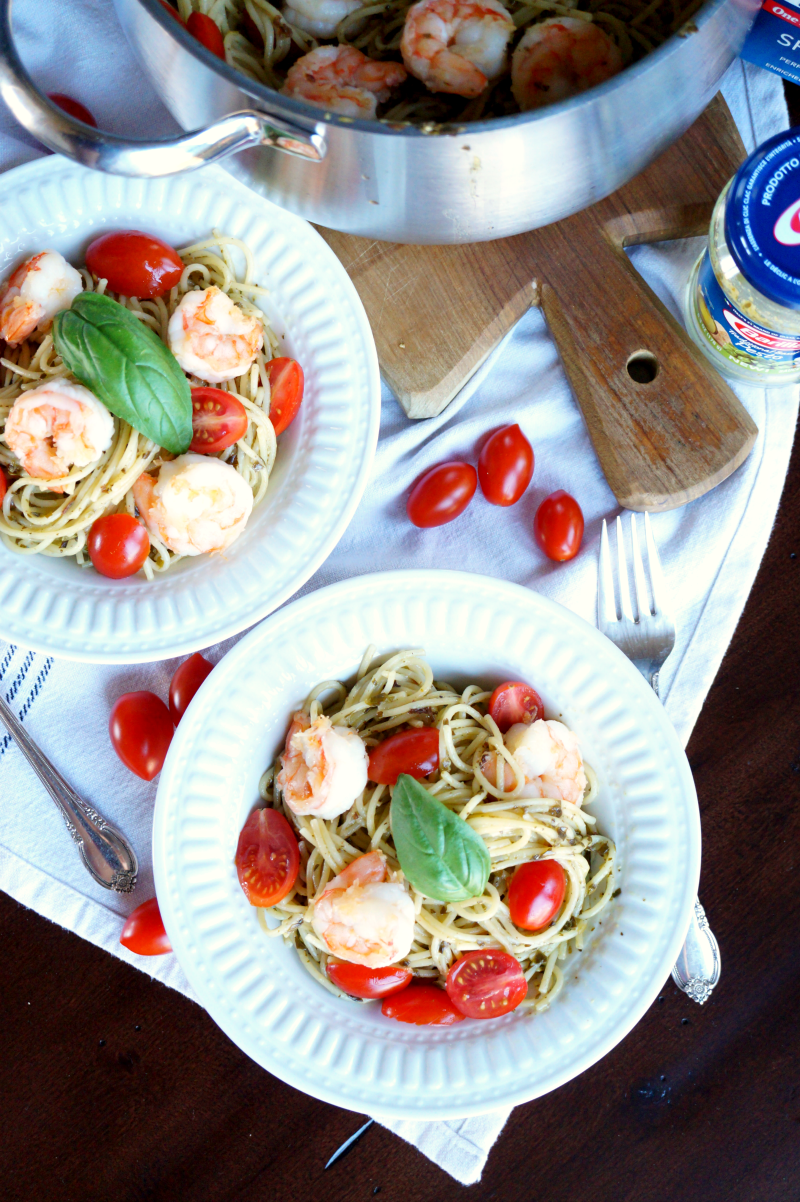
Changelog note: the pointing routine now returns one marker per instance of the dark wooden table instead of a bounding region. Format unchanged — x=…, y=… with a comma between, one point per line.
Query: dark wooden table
x=115, y=1087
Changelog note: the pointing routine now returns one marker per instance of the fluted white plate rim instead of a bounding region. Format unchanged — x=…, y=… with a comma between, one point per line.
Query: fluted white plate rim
x=324, y=459
x=255, y=988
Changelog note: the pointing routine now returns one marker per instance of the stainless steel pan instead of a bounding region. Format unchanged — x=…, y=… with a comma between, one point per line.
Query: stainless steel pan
x=480, y=181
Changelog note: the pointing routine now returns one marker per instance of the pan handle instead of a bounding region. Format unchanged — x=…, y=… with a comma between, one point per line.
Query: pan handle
x=124, y=156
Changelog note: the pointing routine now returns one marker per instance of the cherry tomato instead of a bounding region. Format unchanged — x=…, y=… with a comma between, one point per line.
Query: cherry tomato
x=442, y=494
x=218, y=421
x=486, y=983
x=424, y=1005
x=558, y=526
x=413, y=751
x=505, y=466
x=141, y=731
x=185, y=683
x=267, y=858
x=73, y=107
x=514, y=702
x=134, y=263
x=144, y=931
x=251, y=30
x=3, y=485
x=207, y=33
x=286, y=383
x=536, y=893
x=118, y=545
x=172, y=12
x=360, y=981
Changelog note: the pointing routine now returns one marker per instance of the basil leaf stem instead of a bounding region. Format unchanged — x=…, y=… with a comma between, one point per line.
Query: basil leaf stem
x=439, y=852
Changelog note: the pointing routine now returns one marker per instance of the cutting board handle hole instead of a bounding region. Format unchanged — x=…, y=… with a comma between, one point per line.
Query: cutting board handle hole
x=643, y=367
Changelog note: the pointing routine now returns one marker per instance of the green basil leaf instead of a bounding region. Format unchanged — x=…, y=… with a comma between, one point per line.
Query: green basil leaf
x=118, y=358
x=440, y=854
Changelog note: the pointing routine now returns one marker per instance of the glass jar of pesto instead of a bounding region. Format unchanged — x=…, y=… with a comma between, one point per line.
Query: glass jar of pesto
x=743, y=296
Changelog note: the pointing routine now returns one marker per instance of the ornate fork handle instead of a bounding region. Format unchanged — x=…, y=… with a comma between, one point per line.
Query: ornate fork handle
x=106, y=852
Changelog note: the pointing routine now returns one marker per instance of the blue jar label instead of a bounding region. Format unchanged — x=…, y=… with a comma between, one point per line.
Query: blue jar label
x=736, y=335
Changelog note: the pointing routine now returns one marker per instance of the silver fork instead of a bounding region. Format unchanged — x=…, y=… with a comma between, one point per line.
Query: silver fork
x=648, y=640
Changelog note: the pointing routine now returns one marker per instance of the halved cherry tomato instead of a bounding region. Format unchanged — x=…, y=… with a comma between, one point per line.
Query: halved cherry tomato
x=144, y=931
x=286, y=384
x=486, y=983
x=218, y=421
x=424, y=1005
x=505, y=466
x=536, y=893
x=360, y=981
x=267, y=858
x=3, y=485
x=207, y=33
x=413, y=751
x=185, y=683
x=134, y=263
x=118, y=545
x=251, y=30
x=141, y=731
x=514, y=702
x=558, y=526
x=442, y=494
x=73, y=107
x=172, y=12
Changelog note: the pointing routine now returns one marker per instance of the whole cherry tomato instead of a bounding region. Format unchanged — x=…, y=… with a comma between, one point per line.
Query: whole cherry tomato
x=3, y=485
x=218, y=421
x=363, y=982
x=286, y=384
x=207, y=33
x=413, y=751
x=141, y=731
x=172, y=12
x=442, y=494
x=536, y=893
x=422, y=1004
x=144, y=931
x=514, y=702
x=134, y=263
x=73, y=107
x=267, y=858
x=558, y=526
x=118, y=545
x=185, y=683
x=486, y=983
x=505, y=466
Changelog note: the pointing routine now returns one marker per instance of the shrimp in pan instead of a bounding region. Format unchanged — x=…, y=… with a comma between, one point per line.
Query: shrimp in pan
x=559, y=58
x=343, y=80
x=196, y=504
x=364, y=918
x=319, y=17
x=324, y=767
x=212, y=338
x=55, y=427
x=456, y=46
x=549, y=758
x=34, y=293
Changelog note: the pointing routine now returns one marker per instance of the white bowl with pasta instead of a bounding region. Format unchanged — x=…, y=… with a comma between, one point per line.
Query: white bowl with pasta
x=315, y=480
x=474, y=631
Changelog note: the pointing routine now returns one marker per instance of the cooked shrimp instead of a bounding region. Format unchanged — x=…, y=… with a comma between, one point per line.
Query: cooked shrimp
x=548, y=755
x=324, y=767
x=196, y=504
x=55, y=427
x=34, y=293
x=319, y=17
x=456, y=45
x=212, y=338
x=343, y=80
x=561, y=57
x=363, y=918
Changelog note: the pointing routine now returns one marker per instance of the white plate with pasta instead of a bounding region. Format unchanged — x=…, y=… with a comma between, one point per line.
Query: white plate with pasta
x=79, y=428
x=626, y=847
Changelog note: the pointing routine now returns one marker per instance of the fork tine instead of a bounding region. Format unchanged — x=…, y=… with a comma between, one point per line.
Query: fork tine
x=642, y=599
x=657, y=585
x=606, y=602
x=624, y=592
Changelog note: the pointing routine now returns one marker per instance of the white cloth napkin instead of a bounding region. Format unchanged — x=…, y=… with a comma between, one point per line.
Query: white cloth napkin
x=711, y=549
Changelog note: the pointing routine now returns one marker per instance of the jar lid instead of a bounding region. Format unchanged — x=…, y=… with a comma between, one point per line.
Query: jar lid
x=762, y=219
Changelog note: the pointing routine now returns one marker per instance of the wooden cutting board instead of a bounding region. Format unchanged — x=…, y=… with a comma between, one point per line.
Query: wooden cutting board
x=438, y=311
